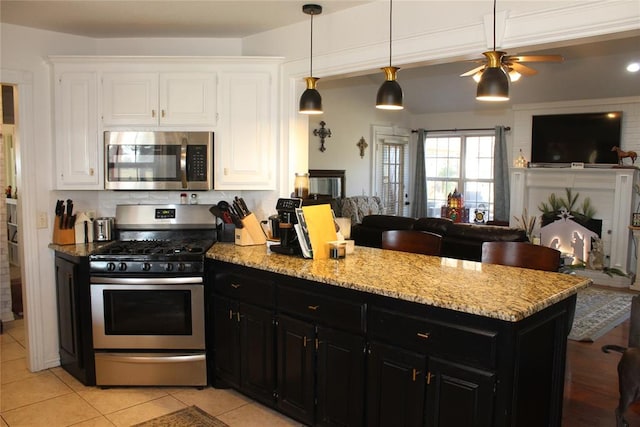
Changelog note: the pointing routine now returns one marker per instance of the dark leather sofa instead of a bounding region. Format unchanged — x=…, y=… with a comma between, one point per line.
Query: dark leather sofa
x=462, y=241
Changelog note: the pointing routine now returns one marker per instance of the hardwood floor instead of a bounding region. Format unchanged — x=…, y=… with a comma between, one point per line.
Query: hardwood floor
x=591, y=383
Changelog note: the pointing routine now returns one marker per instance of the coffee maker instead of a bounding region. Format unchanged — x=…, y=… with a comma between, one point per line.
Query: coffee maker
x=287, y=218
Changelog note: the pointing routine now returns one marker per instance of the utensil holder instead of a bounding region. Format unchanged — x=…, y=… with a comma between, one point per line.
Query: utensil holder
x=63, y=236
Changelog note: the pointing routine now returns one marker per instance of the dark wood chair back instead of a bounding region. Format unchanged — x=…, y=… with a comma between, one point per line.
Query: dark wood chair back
x=521, y=254
x=418, y=242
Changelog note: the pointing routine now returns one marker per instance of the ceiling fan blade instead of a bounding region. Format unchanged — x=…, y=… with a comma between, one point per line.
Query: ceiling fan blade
x=472, y=72
x=535, y=58
x=522, y=69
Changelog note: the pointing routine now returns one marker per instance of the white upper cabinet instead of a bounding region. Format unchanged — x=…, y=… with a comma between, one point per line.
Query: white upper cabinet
x=159, y=99
x=77, y=144
x=245, y=144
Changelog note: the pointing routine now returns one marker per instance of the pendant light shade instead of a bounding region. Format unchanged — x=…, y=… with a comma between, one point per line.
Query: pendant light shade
x=390, y=96
x=494, y=81
x=311, y=101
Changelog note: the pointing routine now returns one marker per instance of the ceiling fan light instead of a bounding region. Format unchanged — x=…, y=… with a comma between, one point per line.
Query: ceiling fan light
x=493, y=85
x=514, y=76
x=311, y=101
x=390, y=95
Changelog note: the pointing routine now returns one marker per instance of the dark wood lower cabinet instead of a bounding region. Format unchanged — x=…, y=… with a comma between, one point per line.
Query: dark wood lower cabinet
x=396, y=387
x=296, y=368
x=459, y=395
x=74, y=318
x=329, y=356
x=243, y=339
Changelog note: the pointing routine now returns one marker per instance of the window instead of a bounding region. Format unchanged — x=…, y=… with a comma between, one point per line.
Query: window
x=462, y=162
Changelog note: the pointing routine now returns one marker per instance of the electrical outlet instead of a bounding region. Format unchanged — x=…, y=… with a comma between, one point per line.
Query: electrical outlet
x=42, y=220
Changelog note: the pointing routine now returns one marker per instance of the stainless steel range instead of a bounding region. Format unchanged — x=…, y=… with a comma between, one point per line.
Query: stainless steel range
x=147, y=297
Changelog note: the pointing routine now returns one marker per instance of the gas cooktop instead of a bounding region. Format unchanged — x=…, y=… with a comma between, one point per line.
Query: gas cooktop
x=143, y=248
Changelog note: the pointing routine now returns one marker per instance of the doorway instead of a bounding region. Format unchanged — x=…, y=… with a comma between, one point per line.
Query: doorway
x=11, y=306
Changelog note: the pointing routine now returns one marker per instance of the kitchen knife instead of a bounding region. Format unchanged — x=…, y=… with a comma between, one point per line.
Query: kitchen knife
x=244, y=207
x=69, y=211
x=59, y=212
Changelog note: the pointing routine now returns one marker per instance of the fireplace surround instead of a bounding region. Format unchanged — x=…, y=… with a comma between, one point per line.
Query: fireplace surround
x=611, y=193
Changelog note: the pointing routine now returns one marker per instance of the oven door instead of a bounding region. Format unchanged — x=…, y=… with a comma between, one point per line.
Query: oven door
x=148, y=313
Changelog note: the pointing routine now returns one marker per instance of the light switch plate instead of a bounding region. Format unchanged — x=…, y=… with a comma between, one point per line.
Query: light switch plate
x=42, y=220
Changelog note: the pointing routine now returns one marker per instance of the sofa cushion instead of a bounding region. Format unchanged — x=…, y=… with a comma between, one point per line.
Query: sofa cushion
x=389, y=222
x=434, y=225
x=486, y=233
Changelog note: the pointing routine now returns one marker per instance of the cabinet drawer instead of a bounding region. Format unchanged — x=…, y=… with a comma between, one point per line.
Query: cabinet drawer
x=464, y=344
x=330, y=311
x=245, y=288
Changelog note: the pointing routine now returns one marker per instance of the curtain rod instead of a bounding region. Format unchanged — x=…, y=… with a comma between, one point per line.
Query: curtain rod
x=507, y=128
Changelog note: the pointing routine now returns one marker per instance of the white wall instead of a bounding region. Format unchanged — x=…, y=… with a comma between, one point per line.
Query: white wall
x=350, y=113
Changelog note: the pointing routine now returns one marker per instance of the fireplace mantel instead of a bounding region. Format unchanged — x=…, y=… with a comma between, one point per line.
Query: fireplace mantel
x=611, y=193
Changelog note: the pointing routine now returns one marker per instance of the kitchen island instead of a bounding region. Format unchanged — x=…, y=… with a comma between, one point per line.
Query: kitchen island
x=391, y=338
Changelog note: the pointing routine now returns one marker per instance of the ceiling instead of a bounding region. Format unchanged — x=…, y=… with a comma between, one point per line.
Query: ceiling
x=593, y=69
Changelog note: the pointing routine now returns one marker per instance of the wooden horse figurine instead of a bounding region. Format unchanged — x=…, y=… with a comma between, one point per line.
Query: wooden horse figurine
x=622, y=154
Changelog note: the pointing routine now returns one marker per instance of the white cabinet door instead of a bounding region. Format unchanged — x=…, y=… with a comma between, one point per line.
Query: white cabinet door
x=159, y=99
x=130, y=98
x=245, y=144
x=188, y=99
x=78, y=165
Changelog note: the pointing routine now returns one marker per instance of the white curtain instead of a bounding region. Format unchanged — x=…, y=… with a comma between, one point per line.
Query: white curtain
x=501, y=176
x=419, y=208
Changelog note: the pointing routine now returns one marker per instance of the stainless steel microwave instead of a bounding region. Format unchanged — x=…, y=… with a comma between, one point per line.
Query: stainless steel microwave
x=158, y=160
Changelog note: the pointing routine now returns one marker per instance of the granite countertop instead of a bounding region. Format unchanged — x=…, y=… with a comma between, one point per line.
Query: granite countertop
x=494, y=291
x=79, y=250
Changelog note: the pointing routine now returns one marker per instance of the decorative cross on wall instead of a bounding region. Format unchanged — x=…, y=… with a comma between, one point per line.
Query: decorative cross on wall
x=362, y=144
x=322, y=133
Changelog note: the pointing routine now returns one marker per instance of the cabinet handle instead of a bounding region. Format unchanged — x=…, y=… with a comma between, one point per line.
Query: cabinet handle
x=313, y=307
x=304, y=341
x=91, y=172
x=429, y=377
x=415, y=374
x=424, y=335
x=235, y=286
x=230, y=314
x=153, y=113
x=163, y=113
x=238, y=316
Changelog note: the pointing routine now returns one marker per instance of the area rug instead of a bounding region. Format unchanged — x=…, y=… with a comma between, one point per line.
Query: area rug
x=598, y=311
x=186, y=417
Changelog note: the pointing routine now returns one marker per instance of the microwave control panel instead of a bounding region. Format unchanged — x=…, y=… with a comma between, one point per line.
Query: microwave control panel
x=197, y=163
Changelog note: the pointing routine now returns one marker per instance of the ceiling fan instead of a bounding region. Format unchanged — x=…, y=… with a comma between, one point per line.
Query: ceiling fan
x=510, y=64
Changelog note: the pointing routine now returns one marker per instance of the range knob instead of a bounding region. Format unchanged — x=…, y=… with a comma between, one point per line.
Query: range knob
x=146, y=266
x=122, y=266
x=111, y=266
x=181, y=266
x=169, y=267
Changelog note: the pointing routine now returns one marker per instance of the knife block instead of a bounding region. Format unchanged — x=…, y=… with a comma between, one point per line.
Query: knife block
x=63, y=236
x=251, y=233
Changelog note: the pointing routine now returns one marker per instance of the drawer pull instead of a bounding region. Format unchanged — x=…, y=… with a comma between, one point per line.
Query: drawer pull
x=424, y=335
x=313, y=307
x=235, y=286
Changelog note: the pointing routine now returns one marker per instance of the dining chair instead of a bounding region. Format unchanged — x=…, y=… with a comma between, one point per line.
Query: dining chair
x=521, y=254
x=419, y=242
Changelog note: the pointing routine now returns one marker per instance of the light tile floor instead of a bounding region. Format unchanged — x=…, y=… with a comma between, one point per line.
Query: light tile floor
x=54, y=398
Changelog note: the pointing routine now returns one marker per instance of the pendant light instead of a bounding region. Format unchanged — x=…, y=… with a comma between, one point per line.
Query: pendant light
x=311, y=101
x=494, y=82
x=390, y=93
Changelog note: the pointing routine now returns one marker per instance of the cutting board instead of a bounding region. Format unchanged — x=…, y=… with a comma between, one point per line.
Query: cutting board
x=321, y=228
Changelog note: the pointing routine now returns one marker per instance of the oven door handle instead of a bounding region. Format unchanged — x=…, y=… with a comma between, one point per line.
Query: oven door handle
x=152, y=358
x=183, y=162
x=145, y=280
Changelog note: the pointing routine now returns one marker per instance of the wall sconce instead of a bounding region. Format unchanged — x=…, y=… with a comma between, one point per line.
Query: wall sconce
x=362, y=144
x=323, y=133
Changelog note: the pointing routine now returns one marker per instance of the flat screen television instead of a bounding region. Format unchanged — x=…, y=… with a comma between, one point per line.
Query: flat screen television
x=562, y=139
